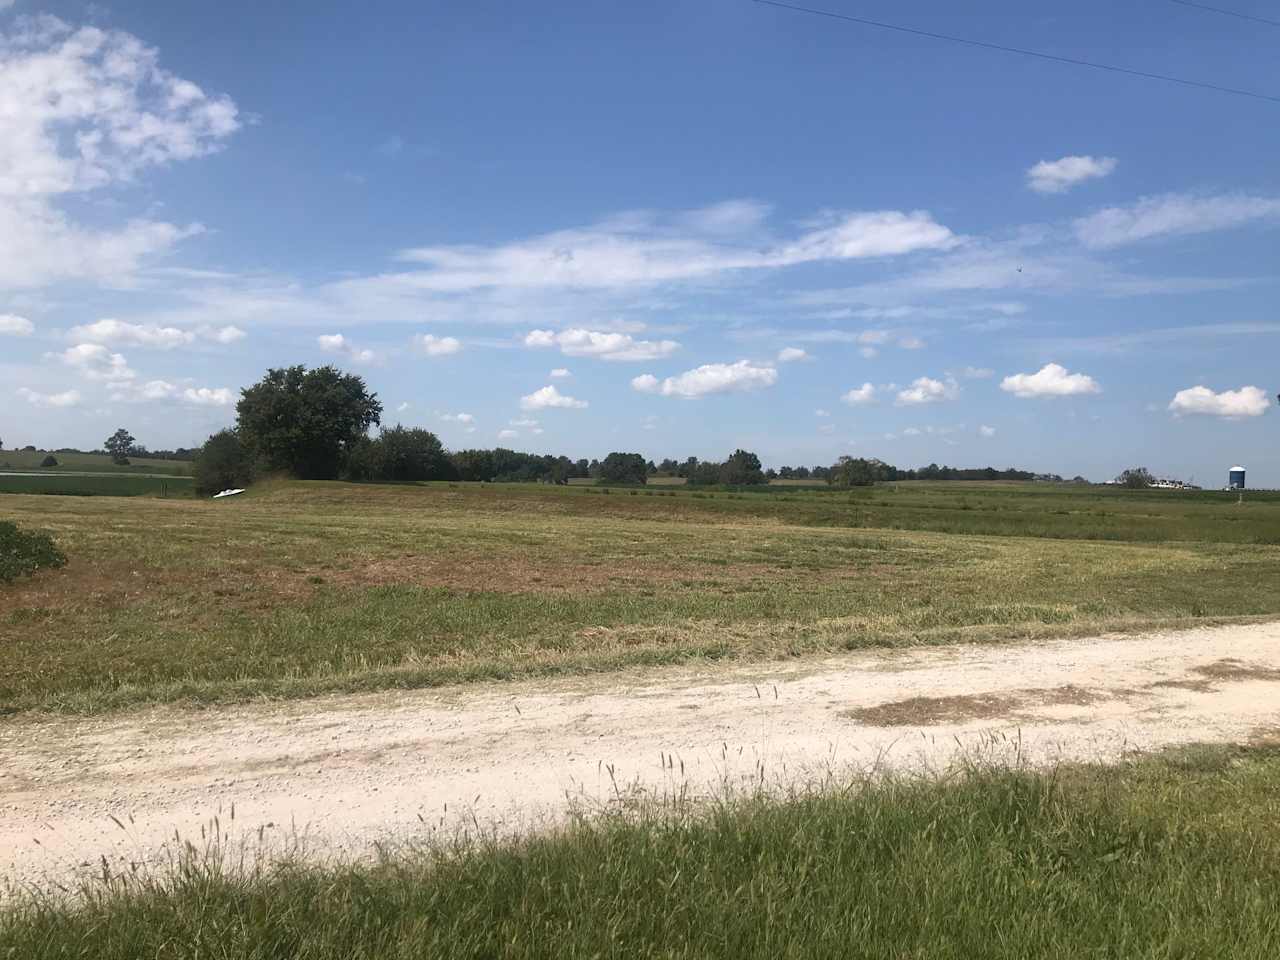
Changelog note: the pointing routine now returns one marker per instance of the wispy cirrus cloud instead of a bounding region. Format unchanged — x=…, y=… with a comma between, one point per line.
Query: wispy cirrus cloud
x=1173, y=214
x=603, y=345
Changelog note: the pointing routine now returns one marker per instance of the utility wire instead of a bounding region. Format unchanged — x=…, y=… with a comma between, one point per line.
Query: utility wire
x=880, y=24
x=1225, y=12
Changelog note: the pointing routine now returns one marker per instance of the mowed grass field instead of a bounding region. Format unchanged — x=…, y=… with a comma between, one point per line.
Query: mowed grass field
x=1172, y=856
x=297, y=589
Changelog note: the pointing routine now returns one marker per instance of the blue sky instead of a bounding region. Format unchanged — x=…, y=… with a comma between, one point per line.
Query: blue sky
x=672, y=227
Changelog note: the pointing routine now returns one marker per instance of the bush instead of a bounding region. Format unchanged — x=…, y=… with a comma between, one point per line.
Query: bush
x=223, y=463
x=23, y=553
x=49, y=461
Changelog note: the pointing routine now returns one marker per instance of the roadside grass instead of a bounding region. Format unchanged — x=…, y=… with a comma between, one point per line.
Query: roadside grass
x=300, y=589
x=1176, y=855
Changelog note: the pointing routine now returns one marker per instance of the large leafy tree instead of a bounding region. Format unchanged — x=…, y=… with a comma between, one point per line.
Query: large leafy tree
x=305, y=421
x=119, y=444
x=222, y=463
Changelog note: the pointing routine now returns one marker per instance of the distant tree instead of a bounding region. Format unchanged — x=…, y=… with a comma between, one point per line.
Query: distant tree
x=474, y=465
x=1136, y=478
x=118, y=445
x=623, y=468
x=705, y=474
x=668, y=467
x=688, y=468
x=801, y=473
x=742, y=468
x=49, y=461
x=223, y=463
x=414, y=454
x=770, y=475
x=306, y=421
x=29, y=448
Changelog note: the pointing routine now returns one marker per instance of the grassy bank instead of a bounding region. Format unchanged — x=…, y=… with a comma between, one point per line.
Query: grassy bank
x=1177, y=856
x=302, y=589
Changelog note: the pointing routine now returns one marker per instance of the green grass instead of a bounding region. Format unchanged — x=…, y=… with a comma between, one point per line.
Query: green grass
x=89, y=463
x=1170, y=857
x=298, y=589
x=50, y=482
x=24, y=553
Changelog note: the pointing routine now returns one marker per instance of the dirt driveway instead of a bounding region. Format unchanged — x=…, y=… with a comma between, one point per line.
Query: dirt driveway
x=340, y=774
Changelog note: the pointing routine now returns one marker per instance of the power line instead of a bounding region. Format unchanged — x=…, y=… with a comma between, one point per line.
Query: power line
x=880, y=24
x=1225, y=12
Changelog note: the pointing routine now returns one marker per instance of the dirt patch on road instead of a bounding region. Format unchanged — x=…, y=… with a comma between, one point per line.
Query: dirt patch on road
x=928, y=711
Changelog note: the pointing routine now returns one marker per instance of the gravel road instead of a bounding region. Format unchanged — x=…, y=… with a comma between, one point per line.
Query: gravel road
x=335, y=776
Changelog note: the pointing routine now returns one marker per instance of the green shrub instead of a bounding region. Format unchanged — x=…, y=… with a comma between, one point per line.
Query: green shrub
x=25, y=553
x=49, y=461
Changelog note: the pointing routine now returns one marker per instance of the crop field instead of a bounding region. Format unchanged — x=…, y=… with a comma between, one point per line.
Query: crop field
x=297, y=589
x=58, y=483
x=25, y=460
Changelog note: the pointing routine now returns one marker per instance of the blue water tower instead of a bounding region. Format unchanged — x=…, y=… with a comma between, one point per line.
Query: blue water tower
x=1235, y=478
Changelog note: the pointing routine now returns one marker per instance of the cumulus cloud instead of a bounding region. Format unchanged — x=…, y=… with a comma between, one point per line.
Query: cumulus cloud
x=465, y=418
x=434, y=346
x=1051, y=380
x=560, y=373
x=577, y=342
x=112, y=331
x=87, y=108
x=209, y=397
x=645, y=249
x=14, y=325
x=337, y=343
x=709, y=378
x=95, y=362
x=1229, y=404
x=791, y=354
x=549, y=397
x=1059, y=176
x=1173, y=214
x=927, y=390
x=507, y=434
x=860, y=396
x=68, y=398
x=154, y=390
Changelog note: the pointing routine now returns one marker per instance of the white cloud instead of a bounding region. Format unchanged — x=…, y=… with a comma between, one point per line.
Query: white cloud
x=821, y=413
x=13, y=325
x=522, y=422
x=96, y=362
x=577, y=342
x=1051, y=380
x=1170, y=215
x=507, y=434
x=912, y=432
x=860, y=396
x=709, y=378
x=434, y=346
x=643, y=249
x=987, y=431
x=337, y=343
x=68, y=398
x=111, y=331
x=911, y=342
x=791, y=354
x=927, y=390
x=1059, y=176
x=206, y=396
x=549, y=397
x=870, y=353
x=1229, y=404
x=404, y=405
x=458, y=417
x=560, y=373
x=977, y=373
x=86, y=108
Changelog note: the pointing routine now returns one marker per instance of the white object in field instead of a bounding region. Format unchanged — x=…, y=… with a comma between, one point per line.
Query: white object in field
x=228, y=493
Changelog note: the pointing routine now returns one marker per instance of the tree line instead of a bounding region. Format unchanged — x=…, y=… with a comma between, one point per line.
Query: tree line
x=315, y=425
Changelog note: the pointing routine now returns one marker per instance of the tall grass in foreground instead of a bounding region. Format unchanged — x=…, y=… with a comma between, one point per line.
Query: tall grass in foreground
x=1171, y=857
